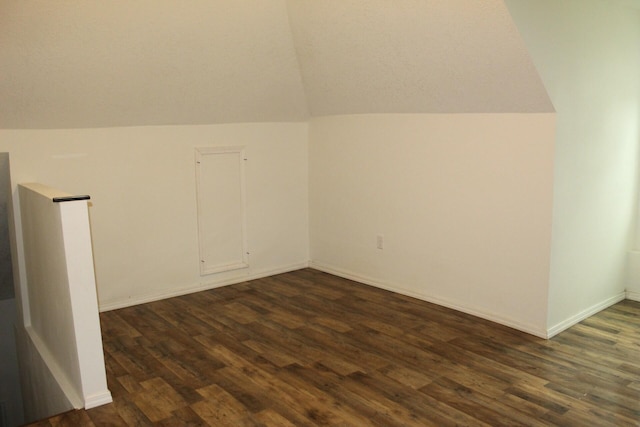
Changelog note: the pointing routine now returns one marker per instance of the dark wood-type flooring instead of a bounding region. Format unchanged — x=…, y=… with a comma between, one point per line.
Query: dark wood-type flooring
x=307, y=348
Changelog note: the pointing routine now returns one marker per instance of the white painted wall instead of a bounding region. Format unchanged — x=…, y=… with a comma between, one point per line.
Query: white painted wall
x=143, y=200
x=633, y=275
x=587, y=55
x=463, y=203
x=44, y=395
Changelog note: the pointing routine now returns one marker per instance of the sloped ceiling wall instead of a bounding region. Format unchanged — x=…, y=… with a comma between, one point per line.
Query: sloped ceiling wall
x=93, y=63
x=73, y=63
x=413, y=56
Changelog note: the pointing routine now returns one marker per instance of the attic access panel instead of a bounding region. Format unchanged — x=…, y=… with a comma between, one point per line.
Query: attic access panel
x=221, y=198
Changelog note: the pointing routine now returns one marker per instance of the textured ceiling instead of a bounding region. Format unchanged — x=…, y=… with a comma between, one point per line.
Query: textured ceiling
x=630, y=3
x=413, y=56
x=93, y=63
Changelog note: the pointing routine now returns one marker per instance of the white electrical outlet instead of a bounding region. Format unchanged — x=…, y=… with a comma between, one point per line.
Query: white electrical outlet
x=380, y=241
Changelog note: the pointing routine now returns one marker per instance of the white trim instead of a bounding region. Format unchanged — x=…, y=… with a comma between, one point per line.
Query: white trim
x=238, y=152
x=633, y=295
x=143, y=299
x=512, y=323
x=566, y=324
x=96, y=400
x=76, y=234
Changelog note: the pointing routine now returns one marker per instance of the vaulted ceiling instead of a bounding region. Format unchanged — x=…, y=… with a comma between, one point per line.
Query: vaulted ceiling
x=92, y=63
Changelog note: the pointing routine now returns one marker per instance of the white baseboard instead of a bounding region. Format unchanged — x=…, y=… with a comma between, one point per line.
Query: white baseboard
x=566, y=324
x=143, y=299
x=97, y=400
x=512, y=323
x=633, y=295
x=493, y=317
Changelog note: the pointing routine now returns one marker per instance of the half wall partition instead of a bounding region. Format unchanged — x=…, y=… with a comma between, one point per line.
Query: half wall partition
x=61, y=321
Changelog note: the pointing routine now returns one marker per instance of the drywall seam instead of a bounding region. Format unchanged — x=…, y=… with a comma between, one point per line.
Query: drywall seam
x=512, y=323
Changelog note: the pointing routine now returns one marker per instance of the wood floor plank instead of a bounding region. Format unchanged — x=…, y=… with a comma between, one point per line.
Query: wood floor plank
x=421, y=407
x=350, y=415
x=278, y=401
x=478, y=405
x=106, y=415
x=299, y=399
x=129, y=412
x=219, y=408
x=331, y=383
x=377, y=408
x=271, y=418
x=307, y=348
x=182, y=417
